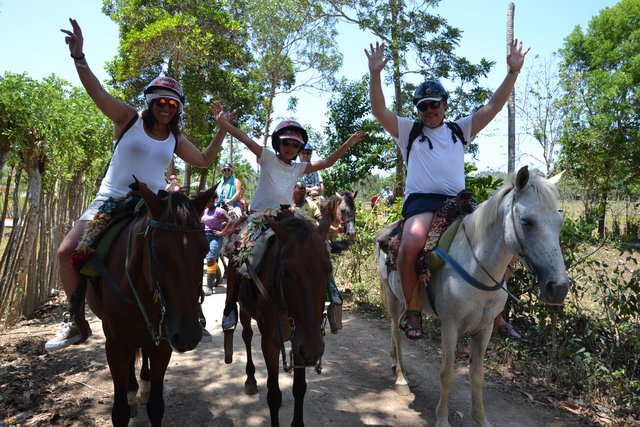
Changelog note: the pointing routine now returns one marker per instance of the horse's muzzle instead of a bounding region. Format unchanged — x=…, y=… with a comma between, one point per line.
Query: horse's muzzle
x=553, y=292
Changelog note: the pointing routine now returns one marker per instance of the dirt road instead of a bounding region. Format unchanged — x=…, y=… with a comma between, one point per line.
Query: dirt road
x=72, y=387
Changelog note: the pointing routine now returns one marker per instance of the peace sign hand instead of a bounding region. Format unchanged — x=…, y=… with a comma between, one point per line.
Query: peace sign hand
x=74, y=39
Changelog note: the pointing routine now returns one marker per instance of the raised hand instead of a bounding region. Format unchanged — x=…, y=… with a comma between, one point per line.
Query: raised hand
x=356, y=137
x=74, y=39
x=515, y=58
x=376, y=57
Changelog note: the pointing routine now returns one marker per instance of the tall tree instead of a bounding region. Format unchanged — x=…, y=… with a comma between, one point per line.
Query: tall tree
x=419, y=42
x=600, y=75
x=511, y=103
x=295, y=49
x=539, y=106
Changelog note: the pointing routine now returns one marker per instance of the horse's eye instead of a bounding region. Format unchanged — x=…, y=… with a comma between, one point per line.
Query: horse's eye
x=526, y=222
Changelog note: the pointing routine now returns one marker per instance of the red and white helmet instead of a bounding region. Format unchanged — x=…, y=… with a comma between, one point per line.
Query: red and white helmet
x=288, y=125
x=164, y=87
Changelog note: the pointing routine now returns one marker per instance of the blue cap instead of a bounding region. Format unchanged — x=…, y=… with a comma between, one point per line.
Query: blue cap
x=308, y=146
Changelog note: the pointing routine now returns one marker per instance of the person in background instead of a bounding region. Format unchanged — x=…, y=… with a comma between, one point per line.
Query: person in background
x=145, y=144
x=313, y=180
x=173, y=184
x=229, y=189
x=216, y=220
x=303, y=205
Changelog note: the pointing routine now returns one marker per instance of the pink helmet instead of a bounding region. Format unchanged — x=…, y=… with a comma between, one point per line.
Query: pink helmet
x=165, y=83
x=287, y=125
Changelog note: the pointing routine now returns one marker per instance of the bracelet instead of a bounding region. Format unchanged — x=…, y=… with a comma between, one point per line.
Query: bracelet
x=81, y=64
x=77, y=58
x=510, y=71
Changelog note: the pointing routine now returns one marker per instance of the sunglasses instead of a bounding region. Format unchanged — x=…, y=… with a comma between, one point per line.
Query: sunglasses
x=424, y=106
x=290, y=143
x=226, y=170
x=162, y=102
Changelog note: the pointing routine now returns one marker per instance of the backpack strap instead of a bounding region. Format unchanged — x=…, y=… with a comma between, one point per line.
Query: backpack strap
x=416, y=131
x=456, y=131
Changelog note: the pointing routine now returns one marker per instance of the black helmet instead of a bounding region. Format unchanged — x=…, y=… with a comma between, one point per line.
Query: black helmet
x=430, y=90
x=288, y=125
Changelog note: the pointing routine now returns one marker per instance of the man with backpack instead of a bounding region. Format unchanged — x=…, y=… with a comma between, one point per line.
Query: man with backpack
x=435, y=169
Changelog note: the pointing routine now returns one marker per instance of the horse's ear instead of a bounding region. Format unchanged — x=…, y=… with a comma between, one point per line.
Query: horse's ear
x=522, y=177
x=152, y=201
x=355, y=195
x=339, y=195
x=200, y=202
x=556, y=178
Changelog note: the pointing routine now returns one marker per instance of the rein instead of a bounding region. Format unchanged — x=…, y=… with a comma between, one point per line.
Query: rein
x=156, y=335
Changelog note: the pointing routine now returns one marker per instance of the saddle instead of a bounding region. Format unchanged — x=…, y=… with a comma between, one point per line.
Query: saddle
x=102, y=231
x=444, y=226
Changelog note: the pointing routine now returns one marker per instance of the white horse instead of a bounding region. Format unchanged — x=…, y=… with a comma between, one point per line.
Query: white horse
x=521, y=220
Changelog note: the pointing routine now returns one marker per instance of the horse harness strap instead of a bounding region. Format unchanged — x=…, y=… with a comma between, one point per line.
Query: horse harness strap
x=108, y=277
x=465, y=275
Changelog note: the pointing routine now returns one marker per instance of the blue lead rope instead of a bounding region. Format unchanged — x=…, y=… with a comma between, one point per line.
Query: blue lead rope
x=466, y=276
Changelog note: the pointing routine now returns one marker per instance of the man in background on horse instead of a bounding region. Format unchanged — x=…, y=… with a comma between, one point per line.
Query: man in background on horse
x=435, y=168
x=230, y=190
x=144, y=147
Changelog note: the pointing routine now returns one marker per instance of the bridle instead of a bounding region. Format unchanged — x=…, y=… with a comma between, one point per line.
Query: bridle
x=156, y=335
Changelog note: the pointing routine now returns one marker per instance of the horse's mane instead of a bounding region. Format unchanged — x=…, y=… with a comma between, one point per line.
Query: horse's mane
x=180, y=210
x=487, y=213
x=299, y=226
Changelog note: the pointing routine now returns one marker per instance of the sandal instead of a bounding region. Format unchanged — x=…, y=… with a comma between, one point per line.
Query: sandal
x=507, y=330
x=411, y=324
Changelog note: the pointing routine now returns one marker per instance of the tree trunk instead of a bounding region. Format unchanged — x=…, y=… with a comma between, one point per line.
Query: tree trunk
x=511, y=103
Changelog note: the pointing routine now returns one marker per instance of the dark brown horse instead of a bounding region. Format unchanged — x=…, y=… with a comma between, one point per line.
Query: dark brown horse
x=286, y=297
x=341, y=207
x=151, y=299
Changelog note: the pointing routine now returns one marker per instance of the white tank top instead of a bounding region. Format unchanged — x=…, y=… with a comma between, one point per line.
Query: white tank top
x=140, y=155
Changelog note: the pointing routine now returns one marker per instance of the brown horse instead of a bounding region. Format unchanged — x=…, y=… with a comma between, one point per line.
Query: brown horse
x=151, y=299
x=286, y=297
x=341, y=207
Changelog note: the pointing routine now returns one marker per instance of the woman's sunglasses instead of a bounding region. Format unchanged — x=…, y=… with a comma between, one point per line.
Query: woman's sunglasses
x=173, y=104
x=290, y=143
x=424, y=106
x=226, y=170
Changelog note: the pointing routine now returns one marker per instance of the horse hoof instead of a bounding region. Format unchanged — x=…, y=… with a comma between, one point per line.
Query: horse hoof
x=403, y=389
x=250, y=389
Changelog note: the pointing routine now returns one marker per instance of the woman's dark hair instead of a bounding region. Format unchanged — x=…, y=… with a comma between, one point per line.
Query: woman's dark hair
x=148, y=119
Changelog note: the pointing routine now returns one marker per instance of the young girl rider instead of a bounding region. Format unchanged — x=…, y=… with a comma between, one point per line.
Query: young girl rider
x=145, y=150
x=278, y=175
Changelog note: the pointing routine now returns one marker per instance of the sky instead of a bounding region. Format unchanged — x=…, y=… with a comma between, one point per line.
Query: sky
x=33, y=43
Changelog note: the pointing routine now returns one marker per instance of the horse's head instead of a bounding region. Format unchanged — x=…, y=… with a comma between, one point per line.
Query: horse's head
x=348, y=214
x=304, y=267
x=175, y=246
x=532, y=226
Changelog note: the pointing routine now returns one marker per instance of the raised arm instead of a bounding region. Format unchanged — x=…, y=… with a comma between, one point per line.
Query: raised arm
x=203, y=159
x=387, y=118
x=119, y=112
x=255, y=148
x=333, y=157
x=515, y=61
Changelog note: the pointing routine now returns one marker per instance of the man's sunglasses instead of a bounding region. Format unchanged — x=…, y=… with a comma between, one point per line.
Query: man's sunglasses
x=290, y=143
x=424, y=106
x=226, y=170
x=173, y=104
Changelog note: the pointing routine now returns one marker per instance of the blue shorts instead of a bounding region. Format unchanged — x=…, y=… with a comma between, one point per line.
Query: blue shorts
x=417, y=203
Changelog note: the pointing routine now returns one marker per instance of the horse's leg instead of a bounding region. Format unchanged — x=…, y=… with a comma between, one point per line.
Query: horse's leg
x=395, y=311
x=250, y=385
x=132, y=387
x=479, y=342
x=271, y=351
x=159, y=360
x=118, y=359
x=299, y=391
x=144, y=376
x=449, y=339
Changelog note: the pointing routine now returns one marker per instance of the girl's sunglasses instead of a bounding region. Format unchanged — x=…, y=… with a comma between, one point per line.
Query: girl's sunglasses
x=162, y=102
x=290, y=143
x=424, y=106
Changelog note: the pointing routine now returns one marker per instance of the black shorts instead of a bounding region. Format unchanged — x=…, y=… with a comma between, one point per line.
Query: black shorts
x=417, y=203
